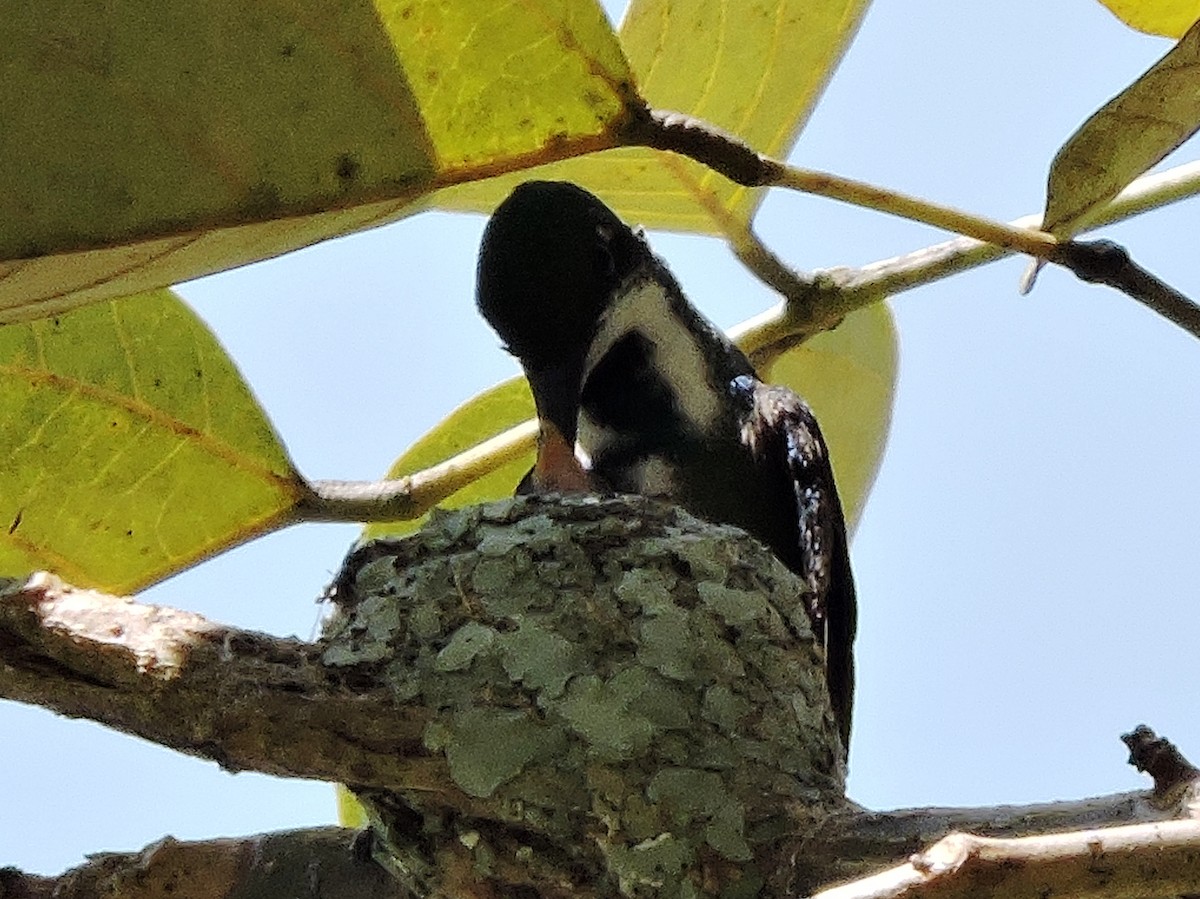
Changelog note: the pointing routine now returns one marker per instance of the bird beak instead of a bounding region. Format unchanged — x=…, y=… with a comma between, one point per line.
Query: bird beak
x=556, y=392
x=557, y=469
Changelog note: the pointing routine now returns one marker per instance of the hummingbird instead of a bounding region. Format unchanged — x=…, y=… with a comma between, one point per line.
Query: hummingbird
x=637, y=392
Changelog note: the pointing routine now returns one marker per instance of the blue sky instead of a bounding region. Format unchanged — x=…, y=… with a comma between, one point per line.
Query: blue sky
x=1028, y=552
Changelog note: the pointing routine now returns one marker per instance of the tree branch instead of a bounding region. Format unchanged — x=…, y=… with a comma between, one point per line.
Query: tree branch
x=300, y=864
x=851, y=847
x=502, y=741
x=245, y=700
x=403, y=499
x=1141, y=860
x=322, y=861
x=1119, y=845
x=731, y=157
x=848, y=845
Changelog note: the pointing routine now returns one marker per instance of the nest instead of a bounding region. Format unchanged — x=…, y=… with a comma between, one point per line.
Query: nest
x=616, y=696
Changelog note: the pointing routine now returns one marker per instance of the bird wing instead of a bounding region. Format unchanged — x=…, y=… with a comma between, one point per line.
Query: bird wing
x=783, y=432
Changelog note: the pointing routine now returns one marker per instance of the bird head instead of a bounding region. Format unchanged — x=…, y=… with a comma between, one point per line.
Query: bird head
x=552, y=259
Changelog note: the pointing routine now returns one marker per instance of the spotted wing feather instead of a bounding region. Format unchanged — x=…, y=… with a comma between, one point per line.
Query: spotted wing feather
x=784, y=432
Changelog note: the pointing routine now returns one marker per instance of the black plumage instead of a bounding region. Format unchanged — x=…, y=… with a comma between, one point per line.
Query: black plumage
x=638, y=393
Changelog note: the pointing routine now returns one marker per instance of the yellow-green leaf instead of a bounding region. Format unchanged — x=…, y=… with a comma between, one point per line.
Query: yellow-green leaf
x=755, y=68
x=350, y=811
x=848, y=376
x=144, y=144
x=132, y=447
x=497, y=81
x=1169, y=17
x=495, y=410
x=1125, y=137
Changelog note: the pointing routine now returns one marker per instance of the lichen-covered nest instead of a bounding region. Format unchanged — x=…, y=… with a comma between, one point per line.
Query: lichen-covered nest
x=611, y=677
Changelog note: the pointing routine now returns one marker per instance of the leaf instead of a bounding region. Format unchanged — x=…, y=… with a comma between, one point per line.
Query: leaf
x=132, y=447
x=495, y=410
x=350, y=812
x=754, y=68
x=848, y=376
x=1125, y=137
x=142, y=149
x=1167, y=17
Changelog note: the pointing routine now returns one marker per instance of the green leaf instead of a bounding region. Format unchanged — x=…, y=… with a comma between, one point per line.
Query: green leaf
x=1168, y=17
x=754, y=68
x=848, y=376
x=132, y=447
x=1125, y=137
x=495, y=410
x=350, y=812
x=147, y=144
x=497, y=81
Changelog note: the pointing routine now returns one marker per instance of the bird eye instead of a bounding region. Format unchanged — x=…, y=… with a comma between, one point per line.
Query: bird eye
x=606, y=265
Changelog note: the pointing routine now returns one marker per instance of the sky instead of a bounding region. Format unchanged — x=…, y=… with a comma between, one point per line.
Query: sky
x=1029, y=547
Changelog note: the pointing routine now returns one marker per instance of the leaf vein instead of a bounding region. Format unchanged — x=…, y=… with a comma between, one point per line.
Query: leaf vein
x=151, y=416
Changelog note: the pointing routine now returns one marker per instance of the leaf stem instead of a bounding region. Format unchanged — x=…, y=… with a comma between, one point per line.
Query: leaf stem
x=1024, y=240
x=726, y=153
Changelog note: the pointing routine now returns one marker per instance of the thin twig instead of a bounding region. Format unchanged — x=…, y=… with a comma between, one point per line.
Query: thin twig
x=849, y=289
x=403, y=499
x=923, y=267
x=731, y=157
x=899, y=273
x=1106, y=862
x=858, y=193
x=798, y=287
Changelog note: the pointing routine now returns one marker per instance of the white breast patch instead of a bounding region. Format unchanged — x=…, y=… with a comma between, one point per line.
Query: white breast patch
x=646, y=308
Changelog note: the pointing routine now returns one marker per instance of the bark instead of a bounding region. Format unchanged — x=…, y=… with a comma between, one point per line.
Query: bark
x=1145, y=860
x=307, y=863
